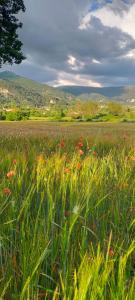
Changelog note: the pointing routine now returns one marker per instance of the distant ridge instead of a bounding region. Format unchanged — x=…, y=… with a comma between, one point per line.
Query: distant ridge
x=120, y=93
x=8, y=75
x=105, y=91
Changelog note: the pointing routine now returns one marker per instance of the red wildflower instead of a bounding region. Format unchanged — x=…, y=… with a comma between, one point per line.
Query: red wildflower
x=94, y=153
x=78, y=166
x=132, y=158
x=80, y=144
x=7, y=191
x=111, y=252
x=81, y=152
x=62, y=144
x=10, y=174
x=14, y=161
x=67, y=171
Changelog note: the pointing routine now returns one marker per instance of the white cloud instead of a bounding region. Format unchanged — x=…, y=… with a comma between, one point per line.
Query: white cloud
x=95, y=61
x=131, y=54
x=71, y=60
x=70, y=79
x=85, y=22
x=74, y=64
x=125, y=21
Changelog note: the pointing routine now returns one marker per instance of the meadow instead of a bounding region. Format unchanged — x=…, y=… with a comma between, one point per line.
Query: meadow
x=67, y=211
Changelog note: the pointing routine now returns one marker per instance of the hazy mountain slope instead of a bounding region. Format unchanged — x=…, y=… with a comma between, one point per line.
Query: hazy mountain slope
x=105, y=91
x=115, y=93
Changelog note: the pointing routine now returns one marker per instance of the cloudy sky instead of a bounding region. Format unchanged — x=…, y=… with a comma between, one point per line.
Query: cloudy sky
x=78, y=42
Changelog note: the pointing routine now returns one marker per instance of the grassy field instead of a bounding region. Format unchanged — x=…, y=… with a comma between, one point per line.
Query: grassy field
x=67, y=211
x=67, y=129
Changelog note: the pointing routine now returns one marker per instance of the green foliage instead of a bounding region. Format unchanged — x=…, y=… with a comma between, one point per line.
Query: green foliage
x=17, y=115
x=83, y=109
x=67, y=220
x=2, y=116
x=10, y=45
x=115, y=108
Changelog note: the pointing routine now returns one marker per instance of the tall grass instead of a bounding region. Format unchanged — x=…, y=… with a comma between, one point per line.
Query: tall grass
x=67, y=220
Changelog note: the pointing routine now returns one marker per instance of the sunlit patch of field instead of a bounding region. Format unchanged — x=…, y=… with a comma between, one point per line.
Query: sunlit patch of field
x=67, y=211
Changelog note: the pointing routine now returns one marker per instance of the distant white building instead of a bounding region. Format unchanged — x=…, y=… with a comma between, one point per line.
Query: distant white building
x=4, y=92
x=131, y=100
x=52, y=102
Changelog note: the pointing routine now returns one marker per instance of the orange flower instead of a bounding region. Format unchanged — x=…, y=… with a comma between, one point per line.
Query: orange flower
x=14, y=161
x=94, y=153
x=10, y=174
x=62, y=144
x=78, y=166
x=80, y=144
x=81, y=152
x=7, y=191
x=67, y=171
x=111, y=252
x=132, y=158
x=40, y=158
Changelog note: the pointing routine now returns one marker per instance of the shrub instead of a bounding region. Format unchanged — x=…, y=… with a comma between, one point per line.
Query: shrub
x=17, y=115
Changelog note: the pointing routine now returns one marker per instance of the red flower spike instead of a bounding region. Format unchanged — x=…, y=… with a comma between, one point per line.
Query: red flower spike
x=7, y=191
x=81, y=152
x=111, y=252
x=67, y=171
x=11, y=174
x=14, y=161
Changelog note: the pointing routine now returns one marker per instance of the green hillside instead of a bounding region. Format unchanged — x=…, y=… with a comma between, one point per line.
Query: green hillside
x=21, y=91
x=17, y=90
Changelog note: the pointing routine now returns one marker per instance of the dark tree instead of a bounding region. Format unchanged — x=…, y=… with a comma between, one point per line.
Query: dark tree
x=10, y=45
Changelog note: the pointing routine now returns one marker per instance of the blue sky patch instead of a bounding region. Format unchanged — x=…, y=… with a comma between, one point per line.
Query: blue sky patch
x=97, y=4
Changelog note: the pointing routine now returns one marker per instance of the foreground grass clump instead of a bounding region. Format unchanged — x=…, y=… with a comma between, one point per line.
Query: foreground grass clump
x=67, y=218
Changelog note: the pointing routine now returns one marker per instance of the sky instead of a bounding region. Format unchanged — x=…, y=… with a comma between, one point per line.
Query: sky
x=78, y=42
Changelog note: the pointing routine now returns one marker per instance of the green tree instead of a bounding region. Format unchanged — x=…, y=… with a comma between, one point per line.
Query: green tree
x=10, y=45
x=83, y=109
x=115, y=108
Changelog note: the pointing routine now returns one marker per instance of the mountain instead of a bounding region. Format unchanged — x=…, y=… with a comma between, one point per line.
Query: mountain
x=17, y=90
x=105, y=91
x=8, y=75
x=21, y=91
x=121, y=93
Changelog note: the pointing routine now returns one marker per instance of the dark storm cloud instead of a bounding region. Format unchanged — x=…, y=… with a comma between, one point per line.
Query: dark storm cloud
x=34, y=72
x=115, y=67
x=51, y=34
